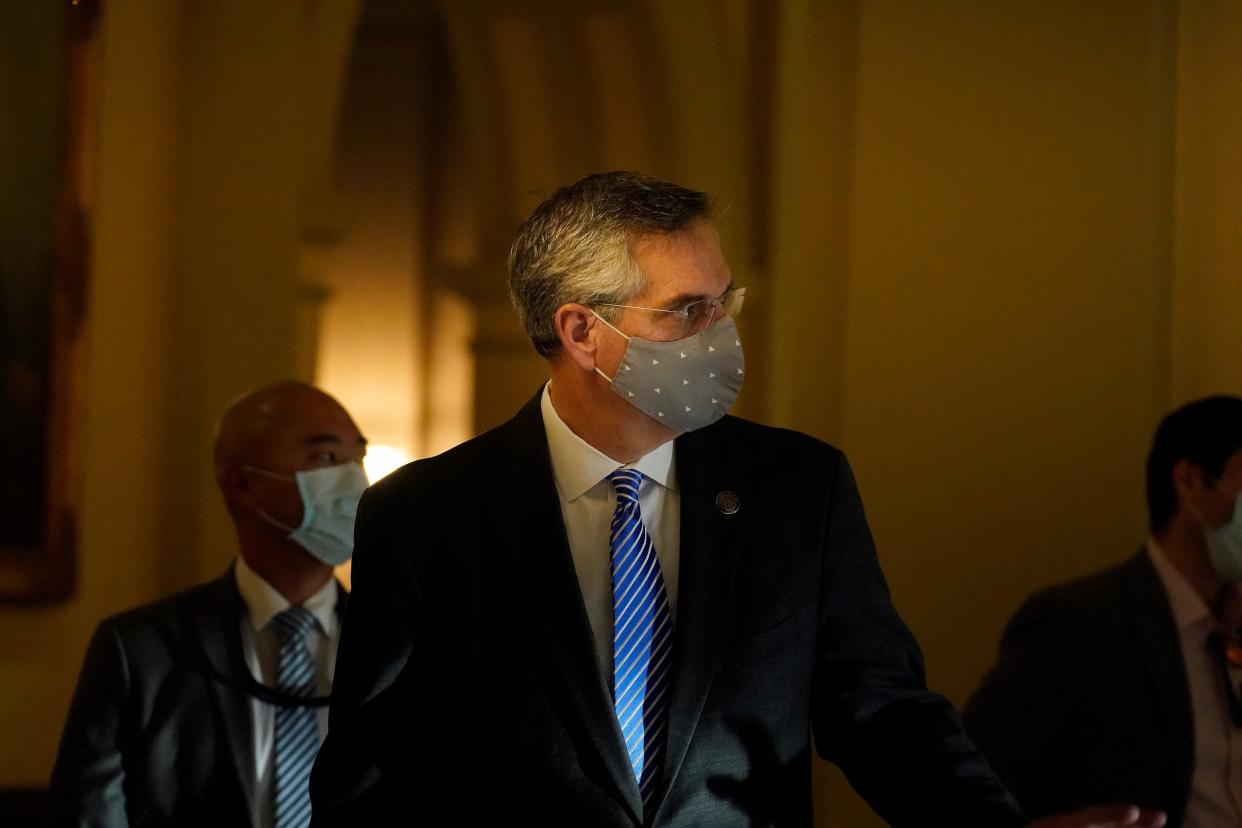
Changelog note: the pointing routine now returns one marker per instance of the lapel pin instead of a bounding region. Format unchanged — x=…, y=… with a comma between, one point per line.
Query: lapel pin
x=728, y=503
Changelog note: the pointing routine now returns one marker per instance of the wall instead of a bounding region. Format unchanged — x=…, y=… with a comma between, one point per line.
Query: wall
x=372, y=338
x=209, y=113
x=972, y=267
x=996, y=243
x=1207, y=336
x=254, y=77
x=1005, y=334
x=41, y=649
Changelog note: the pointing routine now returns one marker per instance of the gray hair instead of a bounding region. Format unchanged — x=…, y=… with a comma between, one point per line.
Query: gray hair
x=577, y=246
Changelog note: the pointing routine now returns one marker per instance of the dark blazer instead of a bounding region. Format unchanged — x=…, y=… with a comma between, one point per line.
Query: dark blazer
x=468, y=690
x=159, y=730
x=1089, y=701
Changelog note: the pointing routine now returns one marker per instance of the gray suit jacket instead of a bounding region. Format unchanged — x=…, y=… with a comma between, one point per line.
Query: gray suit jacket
x=159, y=731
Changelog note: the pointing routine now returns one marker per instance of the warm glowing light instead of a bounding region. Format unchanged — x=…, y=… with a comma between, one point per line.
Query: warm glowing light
x=345, y=573
x=383, y=460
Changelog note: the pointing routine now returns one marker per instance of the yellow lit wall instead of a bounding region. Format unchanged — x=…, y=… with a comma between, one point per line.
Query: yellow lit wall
x=1005, y=244
x=41, y=649
x=206, y=131
x=991, y=244
x=1207, y=298
x=371, y=338
x=1003, y=353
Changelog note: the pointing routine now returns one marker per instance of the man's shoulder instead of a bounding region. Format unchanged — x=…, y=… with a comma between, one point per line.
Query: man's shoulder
x=172, y=613
x=463, y=468
x=1098, y=595
x=460, y=465
x=754, y=436
x=761, y=446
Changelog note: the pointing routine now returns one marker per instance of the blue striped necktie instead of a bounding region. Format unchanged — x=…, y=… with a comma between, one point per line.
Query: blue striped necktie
x=297, y=730
x=642, y=636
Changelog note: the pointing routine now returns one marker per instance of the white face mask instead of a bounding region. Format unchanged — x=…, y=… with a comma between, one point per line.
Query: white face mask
x=684, y=384
x=1224, y=545
x=330, y=498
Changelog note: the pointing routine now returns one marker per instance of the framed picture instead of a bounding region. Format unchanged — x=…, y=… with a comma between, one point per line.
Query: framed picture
x=49, y=81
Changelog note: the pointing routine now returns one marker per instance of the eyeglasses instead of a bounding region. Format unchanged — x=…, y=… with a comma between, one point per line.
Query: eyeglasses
x=698, y=315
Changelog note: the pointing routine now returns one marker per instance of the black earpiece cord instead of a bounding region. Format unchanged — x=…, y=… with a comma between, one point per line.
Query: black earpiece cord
x=268, y=695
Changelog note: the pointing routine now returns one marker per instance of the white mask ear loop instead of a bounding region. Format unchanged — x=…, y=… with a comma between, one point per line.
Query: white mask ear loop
x=274, y=476
x=288, y=478
x=282, y=527
x=614, y=327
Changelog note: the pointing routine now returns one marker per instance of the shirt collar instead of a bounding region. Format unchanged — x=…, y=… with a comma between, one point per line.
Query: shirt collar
x=263, y=601
x=1188, y=608
x=578, y=466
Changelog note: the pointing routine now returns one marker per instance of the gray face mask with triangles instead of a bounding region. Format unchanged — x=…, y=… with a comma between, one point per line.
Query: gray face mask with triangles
x=685, y=384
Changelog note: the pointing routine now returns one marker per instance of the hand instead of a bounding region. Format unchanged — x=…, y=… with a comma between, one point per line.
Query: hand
x=1105, y=816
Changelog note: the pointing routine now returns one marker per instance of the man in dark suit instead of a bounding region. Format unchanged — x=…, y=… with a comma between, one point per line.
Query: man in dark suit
x=205, y=708
x=622, y=607
x=1107, y=688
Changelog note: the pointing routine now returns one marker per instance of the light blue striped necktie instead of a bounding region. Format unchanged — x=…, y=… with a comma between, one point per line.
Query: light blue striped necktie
x=642, y=635
x=297, y=730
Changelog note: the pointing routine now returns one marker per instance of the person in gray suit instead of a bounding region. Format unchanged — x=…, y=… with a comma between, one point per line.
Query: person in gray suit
x=1123, y=686
x=207, y=708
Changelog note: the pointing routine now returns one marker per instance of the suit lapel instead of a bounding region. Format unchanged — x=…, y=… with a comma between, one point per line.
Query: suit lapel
x=1162, y=651
x=219, y=631
x=543, y=571
x=710, y=544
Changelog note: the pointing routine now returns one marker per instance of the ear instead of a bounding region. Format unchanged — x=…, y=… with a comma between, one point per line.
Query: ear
x=1189, y=477
x=1183, y=478
x=1189, y=481
x=576, y=326
x=235, y=486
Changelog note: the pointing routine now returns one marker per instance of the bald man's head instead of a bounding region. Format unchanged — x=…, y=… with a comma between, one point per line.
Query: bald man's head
x=269, y=444
x=284, y=427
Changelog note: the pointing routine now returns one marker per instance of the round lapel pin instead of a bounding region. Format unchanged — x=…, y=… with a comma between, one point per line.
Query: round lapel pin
x=728, y=503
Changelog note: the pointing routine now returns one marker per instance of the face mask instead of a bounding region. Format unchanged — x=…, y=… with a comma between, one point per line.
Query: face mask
x=1224, y=545
x=330, y=498
x=685, y=384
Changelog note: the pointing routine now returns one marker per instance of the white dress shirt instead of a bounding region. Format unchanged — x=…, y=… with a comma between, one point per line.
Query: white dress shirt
x=1216, y=786
x=587, y=504
x=261, y=645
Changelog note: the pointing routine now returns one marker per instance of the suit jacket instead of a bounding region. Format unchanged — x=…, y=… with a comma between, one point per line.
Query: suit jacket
x=1089, y=701
x=468, y=688
x=159, y=731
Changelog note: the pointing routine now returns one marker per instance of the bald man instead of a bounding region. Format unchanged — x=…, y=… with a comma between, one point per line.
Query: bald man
x=207, y=708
